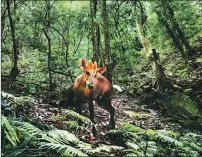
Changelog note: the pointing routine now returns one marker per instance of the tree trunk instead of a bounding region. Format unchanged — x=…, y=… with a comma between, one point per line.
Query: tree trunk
x=3, y=17
x=95, y=28
x=109, y=64
x=46, y=31
x=67, y=49
x=153, y=57
x=180, y=32
x=14, y=71
x=167, y=16
x=172, y=34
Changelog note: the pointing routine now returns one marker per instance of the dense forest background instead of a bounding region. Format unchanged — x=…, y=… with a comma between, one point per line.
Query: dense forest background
x=153, y=54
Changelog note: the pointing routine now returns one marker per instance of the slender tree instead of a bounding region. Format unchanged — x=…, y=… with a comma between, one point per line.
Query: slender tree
x=47, y=33
x=14, y=71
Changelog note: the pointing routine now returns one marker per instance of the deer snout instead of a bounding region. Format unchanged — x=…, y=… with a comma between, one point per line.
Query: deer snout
x=90, y=85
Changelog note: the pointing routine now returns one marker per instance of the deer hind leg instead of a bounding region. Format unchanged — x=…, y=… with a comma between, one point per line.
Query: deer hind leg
x=91, y=109
x=105, y=103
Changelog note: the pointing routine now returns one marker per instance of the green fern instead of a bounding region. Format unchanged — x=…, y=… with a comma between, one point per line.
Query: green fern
x=72, y=125
x=62, y=142
x=63, y=149
x=132, y=146
x=17, y=100
x=151, y=134
x=9, y=131
x=62, y=136
x=122, y=135
x=164, y=136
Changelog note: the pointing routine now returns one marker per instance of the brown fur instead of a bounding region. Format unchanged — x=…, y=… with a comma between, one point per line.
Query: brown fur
x=101, y=92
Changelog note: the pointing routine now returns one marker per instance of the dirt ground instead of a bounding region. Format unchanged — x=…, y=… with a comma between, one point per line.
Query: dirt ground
x=127, y=110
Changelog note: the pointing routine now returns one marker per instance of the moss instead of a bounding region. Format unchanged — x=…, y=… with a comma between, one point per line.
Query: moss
x=71, y=123
x=184, y=102
x=59, y=118
x=138, y=115
x=131, y=128
x=151, y=134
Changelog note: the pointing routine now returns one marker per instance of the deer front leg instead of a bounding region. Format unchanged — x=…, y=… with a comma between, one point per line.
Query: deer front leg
x=91, y=108
x=78, y=106
x=78, y=109
x=112, y=121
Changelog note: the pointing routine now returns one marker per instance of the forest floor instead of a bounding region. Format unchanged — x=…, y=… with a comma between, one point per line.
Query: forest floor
x=127, y=110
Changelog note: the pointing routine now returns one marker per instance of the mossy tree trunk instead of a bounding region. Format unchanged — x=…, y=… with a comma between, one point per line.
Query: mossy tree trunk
x=171, y=33
x=153, y=57
x=179, y=31
x=167, y=18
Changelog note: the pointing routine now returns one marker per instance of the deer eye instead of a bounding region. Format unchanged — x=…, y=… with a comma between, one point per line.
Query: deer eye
x=87, y=73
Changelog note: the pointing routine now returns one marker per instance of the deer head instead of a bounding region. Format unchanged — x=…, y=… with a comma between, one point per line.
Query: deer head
x=91, y=72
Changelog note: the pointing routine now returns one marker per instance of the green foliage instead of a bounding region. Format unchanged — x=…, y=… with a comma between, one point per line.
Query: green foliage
x=61, y=141
x=9, y=131
x=77, y=116
x=156, y=142
x=185, y=103
x=36, y=142
x=58, y=141
x=73, y=125
x=104, y=150
x=138, y=115
x=131, y=128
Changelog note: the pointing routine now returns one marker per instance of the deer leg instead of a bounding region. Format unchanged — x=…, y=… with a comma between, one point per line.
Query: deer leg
x=91, y=108
x=78, y=109
x=112, y=113
x=78, y=106
x=106, y=104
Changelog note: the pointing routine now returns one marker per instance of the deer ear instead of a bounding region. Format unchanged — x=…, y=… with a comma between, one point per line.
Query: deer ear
x=83, y=62
x=101, y=70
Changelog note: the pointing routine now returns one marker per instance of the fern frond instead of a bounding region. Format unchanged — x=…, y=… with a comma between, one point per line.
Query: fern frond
x=62, y=136
x=62, y=142
x=132, y=145
x=29, y=132
x=120, y=134
x=131, y=128
x=9, y=131
x=84, y=146
x=164, y=136
x=74, y=126
x=64, y=150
